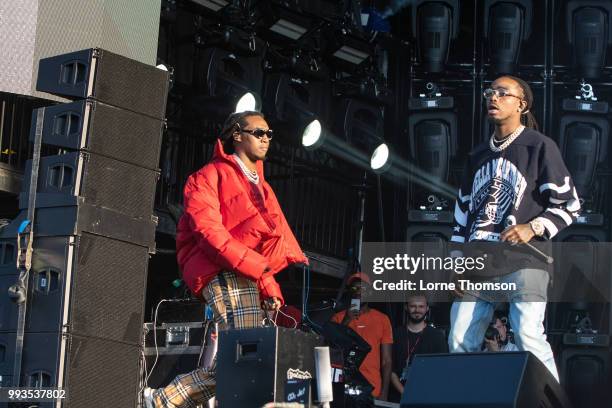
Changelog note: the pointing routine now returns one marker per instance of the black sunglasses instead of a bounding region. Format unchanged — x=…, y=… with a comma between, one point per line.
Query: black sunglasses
x=258, y=133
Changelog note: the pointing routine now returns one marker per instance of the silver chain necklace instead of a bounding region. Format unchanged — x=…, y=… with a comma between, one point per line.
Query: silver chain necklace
x=250, y=174
x=507, y=140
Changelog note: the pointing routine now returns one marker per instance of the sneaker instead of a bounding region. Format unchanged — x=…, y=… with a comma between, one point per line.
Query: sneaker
x=147, y=396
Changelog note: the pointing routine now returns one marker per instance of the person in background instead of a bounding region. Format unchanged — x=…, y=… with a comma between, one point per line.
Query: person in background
x=415, y=337
x=375, y=328
x=496, y=337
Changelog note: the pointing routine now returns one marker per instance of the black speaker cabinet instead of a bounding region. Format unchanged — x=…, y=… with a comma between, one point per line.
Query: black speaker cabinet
x=64, y=179
x=585, y=372
x=8, y=308
x=481, y=380
x=94, y=371
x=7, y=357
x=104, y=129
x=75, y=281
x=252, y=364
x=106, y=77
x=76, y=220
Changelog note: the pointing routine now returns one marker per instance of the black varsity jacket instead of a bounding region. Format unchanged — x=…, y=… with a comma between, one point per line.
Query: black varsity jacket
x=526, y=180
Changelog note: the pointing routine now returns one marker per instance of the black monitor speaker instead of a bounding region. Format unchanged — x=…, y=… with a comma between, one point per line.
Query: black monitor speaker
x=481, y=380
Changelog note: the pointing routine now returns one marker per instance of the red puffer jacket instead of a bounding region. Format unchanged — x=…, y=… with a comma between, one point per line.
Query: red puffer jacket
x=227, y=225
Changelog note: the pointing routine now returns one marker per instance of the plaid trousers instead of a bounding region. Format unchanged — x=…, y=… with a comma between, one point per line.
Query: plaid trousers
x=235, y=303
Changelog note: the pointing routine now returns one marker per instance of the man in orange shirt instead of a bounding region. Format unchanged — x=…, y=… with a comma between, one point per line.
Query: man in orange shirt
x=375, y=328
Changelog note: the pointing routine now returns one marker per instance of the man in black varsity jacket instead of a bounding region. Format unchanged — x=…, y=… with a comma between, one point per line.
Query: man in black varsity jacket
x=516, y=189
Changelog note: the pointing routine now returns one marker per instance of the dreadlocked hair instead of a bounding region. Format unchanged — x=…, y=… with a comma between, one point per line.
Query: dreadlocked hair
x=231, y=124
x=527, y=118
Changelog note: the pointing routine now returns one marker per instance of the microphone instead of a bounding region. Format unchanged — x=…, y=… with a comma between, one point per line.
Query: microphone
x=547, y=258
x=511, y=221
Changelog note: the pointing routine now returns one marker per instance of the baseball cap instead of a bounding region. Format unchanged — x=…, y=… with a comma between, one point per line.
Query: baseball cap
x=359, y=276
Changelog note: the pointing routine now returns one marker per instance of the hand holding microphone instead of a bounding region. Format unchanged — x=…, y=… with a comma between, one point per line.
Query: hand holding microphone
x=522, y=234
x=517, y=234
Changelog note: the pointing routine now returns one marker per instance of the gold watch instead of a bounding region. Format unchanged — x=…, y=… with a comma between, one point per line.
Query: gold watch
x=537, y=226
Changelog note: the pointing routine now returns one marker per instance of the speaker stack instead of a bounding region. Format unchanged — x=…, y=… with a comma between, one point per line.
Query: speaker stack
x=93, y=230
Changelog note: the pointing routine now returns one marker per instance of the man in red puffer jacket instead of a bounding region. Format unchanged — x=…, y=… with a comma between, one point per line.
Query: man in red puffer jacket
x=231, y=241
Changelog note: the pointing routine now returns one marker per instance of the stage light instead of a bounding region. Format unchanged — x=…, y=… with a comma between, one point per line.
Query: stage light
x=356, y=137
x=290, y=96
x=227, y=12
x=347, y=51
x=248, y=102
x=381, y=159
x=328, y=9
x=581, y=149
x=282, y=25
x=213, y=5
x=434, y=24
x=362, y=124
x=430, y=234
x=312, y=137
x=351, y=55
x=507, y=24
x=226, y=83
x=589, y=31
x=287, y=23
x=583, y=141
x=368, y=86
x=294, y=100
x=432, y=127
x=315, y=136
x=288, y=29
